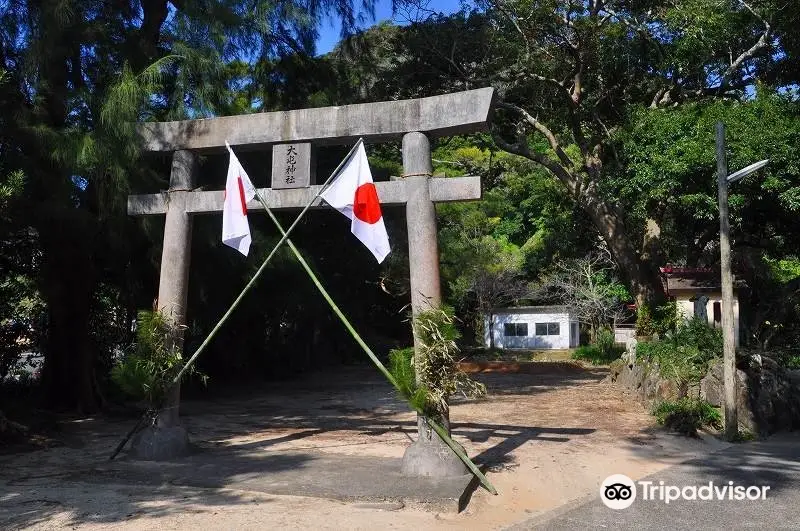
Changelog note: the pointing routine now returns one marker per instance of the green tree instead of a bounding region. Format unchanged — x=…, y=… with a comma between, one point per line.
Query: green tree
x=567, y=72
x=79, y=71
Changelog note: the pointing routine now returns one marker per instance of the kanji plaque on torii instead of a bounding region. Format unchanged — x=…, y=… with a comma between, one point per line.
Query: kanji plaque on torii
x=413, y=121
x=292, y=165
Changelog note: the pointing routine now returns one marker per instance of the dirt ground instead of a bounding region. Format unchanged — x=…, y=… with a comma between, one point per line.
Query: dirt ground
x=548, y=434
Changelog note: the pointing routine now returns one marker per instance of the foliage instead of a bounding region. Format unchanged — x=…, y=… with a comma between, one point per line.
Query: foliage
x=661, y=321
x=77, y=76
x=666, y=318
x=436, y=364
x=596, y=356
x=772, y=316
x=605, y=342
x=568, y=79
x=147, y=371
x=667, y=174
x=699, y=333
x=744, y=435
x=617, y=102
x=401, y=366
x=789, y=358
x=687, y=415
x=588, y=287
x=492, y=250
x=644, y=321
x=685, y=355
x=602, y=352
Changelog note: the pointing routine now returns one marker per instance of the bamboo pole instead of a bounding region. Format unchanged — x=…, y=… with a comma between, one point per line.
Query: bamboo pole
x=436, y=427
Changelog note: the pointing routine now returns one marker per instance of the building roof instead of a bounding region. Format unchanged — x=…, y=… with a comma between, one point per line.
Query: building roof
x=694, y=280
x=532, y=309
x=678, y=284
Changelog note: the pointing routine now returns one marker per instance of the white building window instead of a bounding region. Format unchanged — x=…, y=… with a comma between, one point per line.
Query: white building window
x=515, y=329
x=548, y=329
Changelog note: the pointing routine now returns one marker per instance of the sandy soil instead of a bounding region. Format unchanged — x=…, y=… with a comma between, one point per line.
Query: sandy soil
x=549, y=436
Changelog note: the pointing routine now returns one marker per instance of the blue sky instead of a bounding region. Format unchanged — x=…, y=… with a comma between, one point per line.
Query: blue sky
x=329, y=32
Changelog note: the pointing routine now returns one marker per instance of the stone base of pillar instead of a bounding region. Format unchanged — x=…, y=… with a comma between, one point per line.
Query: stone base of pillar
x=156, y=443
x=429, y=456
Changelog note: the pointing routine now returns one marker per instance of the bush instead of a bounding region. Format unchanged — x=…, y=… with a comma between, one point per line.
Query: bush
x=685, y=355
x=644, y=321
x=603, y=352
x=696, y=332
x=147, y=370
x=662, y=320
x=439, y=369
x=687, y=415
x=401, y=365
x=605, y=340
x=790, y=359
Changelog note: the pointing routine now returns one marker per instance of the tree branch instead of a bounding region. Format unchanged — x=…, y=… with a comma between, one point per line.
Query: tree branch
x=760, y=44
x=541, y=128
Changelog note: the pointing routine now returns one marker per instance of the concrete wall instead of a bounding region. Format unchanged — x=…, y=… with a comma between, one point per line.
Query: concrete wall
x=567, y=337
x=686, y=310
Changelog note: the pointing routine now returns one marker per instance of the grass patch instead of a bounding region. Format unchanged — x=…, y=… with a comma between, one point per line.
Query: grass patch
x=602, y=352
x=687, y=415
x=596, y=355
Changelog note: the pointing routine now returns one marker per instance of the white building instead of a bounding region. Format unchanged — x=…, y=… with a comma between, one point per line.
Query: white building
x=531, y=327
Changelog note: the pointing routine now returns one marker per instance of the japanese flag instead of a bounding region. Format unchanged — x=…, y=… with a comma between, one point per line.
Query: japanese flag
x=353, y=194
x=238, y=191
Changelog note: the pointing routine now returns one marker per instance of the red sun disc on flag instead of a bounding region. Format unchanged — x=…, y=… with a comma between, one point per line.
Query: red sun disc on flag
x=366, y=205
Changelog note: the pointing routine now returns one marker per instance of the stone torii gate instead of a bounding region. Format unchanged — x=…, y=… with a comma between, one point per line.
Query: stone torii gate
x=297, y=132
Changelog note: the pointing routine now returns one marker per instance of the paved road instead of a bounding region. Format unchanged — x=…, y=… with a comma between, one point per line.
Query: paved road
x=774, y=462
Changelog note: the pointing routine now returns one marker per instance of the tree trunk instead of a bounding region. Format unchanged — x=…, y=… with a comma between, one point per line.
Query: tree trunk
x=640, y=276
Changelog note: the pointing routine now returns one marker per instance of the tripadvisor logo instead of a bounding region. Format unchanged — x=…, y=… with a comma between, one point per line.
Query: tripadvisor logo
x=619, y=491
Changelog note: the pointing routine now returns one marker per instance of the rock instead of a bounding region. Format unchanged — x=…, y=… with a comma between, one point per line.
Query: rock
x=650, y=386
x=711, y=390
x=770, y=364
x=615, y=368
x=717, y=372
x=767, y=399
x=667, y=390
x=767, y=395
x=156, y=443
x=632, y=378
x=693, y=391
x=630, y=352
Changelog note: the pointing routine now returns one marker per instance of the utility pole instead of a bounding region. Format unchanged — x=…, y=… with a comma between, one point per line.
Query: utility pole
x=728, y=344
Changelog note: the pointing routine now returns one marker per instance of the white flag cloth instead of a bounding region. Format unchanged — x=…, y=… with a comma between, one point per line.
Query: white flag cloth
x=353, y=194
x=238, y=191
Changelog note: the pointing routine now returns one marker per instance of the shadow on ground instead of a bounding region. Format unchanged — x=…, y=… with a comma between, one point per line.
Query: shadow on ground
x=38, y=485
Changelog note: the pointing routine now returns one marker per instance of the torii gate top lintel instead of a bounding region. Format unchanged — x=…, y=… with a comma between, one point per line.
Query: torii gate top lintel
x=448, y=114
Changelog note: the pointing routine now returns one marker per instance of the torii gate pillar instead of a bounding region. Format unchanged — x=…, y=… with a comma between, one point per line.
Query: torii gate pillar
x=168, y=438
x=428, y=455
